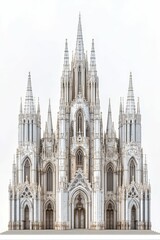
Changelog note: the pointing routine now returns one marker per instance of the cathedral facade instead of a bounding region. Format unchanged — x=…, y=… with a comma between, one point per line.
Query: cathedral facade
x=79, y=177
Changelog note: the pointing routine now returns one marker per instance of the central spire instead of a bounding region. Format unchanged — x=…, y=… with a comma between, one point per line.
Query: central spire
x=79, y=54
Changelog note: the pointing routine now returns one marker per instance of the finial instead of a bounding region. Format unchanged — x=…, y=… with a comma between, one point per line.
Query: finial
x=109, y=121
x=14, y=159
x=109, y=106
x=120, y=107
x=21, y=106
x=138, y=106
x=38, y=107
x=49, y=106
x=145, y=159
x=86, y=56
x=49, y=120
x=130, y=75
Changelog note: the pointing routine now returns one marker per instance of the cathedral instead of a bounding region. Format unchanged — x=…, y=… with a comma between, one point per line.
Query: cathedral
x=79, y=176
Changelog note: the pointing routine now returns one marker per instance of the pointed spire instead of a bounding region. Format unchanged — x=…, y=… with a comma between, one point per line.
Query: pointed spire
x=120, y=107
x=93, y=58
x=38, y=107
x=14, y=161
x=109, y=121
x=138, y=106
x=66, y=57
x=130, y=106
x=79, y=54
x=29, y=102
x=49, y=121
x=21, y=106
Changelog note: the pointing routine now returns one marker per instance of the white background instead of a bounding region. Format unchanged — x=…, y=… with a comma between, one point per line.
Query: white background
x=127, y=38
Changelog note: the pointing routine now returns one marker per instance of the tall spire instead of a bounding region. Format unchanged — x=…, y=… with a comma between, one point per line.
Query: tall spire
x=49, y=121
x=130, y=106
x=66, y=57
x=29, y=102
x=93, y=58
x=79, y=54
x=109, y=121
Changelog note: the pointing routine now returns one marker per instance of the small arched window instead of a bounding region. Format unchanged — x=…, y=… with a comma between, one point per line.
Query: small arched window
x=79, y=159
x=79, y=122
x=27, y=171
x=49, y=179
x=132, y=170
x=110, y=179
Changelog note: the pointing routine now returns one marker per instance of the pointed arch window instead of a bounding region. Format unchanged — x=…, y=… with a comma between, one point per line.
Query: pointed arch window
x=79, y=122
x=132, y=170
x=27, y=171
x=79, y=159
x=110, y=179
x=49, y=179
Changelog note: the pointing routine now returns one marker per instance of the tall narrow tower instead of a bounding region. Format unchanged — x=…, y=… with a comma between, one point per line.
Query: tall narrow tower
x=135, y=203
x=23, y=191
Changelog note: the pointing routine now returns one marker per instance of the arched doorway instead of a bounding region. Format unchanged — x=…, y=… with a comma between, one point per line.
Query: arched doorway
x=79, y=213
x=26, y=218
x=49, y=217
x=133, y=218
x=110, y=217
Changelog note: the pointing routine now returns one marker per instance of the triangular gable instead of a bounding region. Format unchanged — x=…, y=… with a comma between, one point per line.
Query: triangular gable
x=79, y=180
